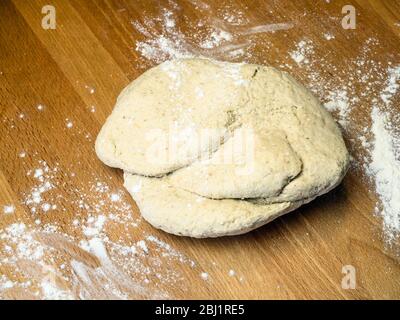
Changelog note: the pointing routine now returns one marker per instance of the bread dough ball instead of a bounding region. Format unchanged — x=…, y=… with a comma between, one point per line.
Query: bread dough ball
x=242, y=137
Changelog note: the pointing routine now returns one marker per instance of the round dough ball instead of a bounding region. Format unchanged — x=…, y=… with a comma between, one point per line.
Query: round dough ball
x=212, y=148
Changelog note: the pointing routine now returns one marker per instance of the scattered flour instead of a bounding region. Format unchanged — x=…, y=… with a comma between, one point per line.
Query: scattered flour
x=95, y=226
x=46, y=207
x=38, y=173
x=115, y=197
x=338, y=101
x=5, y=283
x=51, y=292
x=216, y=38
x=304, y=49
x=9, y=209
x=69, y=124
x=204, y=276
x=384, y=149
x=392, y=84
x=24, y=249
x=142, y=245
x=329, y=36
x=162, y=48
x=43, y=176
x=384, y=168
x=96, y=203
x=228, y=38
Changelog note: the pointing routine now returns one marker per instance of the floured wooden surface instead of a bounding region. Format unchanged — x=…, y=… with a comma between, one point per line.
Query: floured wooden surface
x=68, y=229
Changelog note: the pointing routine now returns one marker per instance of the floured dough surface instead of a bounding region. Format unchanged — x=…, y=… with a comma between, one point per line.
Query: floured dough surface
x=259, y=167
x=242, y=137
x=158, y=119
x=183, y=213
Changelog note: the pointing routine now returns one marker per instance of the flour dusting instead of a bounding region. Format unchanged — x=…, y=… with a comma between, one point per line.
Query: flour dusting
x=304, y=49
x=9, y=209
x=204, y=276
x=392, y=84
x=385, y=170
x=227, y=38
x=123, y=266
x=338, y=101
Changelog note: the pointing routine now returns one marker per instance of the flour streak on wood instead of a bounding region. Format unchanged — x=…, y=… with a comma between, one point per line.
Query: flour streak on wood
x=68, y=229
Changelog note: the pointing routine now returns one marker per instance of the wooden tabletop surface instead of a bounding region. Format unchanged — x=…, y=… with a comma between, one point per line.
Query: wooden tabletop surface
x=68, y=229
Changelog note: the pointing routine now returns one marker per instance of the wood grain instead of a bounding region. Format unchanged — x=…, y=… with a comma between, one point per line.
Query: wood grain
x=298, y=256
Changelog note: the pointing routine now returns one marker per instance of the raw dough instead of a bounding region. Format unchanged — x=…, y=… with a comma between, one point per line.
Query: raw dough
x=261, y=170
x=177, y=121
x=155, y=125
x=183, y=213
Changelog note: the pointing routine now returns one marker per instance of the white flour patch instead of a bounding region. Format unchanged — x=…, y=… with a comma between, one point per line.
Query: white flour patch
x=46, y=207
x=38, y=173
x=384, y=168
x=216, y=38
x=304, y=49
x=115, y=197
x=223, y=39
x=392, y=84
x=5, y=283
x=162, y=48
x=170, y=43
x=51, y=292
x=338, y=101
x=69, y=124
x=204, y=276
x=233, y=71
x=329, y=36
x=94, y=226
x=107, y=275
x=43, y=175
x=142, y=245
x=9, y=209
x=23, y=249
x=235, y=18
x=167, y=250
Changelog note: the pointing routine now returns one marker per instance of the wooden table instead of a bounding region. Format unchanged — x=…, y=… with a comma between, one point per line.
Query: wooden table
x=57, y=88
